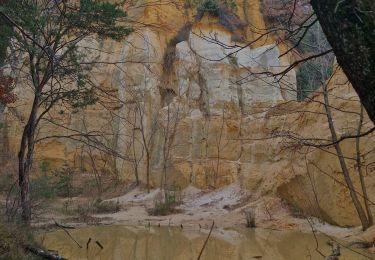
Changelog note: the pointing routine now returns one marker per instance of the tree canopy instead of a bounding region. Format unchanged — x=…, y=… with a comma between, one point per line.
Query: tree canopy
x=350, y=29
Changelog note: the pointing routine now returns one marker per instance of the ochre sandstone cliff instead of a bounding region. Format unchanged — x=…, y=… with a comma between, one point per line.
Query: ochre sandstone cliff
x=220, y=110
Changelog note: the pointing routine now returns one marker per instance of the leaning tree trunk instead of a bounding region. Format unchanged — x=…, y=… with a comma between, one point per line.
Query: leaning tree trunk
x=350, y=28
x=25, y=159
x=345, y=171
x=360, y=172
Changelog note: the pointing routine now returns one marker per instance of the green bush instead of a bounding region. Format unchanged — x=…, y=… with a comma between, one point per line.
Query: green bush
x=44, y=167
x=42, y=188
x=210, y=6
x=64, y=182
x=231, y=4
x=233, y=60
x=48, y=186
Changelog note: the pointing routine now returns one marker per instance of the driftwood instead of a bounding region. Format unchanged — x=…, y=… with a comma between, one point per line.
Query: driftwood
x=88, y=243
x=51, y=255
x=64, y=228
x=335, y=247
x=361, y=244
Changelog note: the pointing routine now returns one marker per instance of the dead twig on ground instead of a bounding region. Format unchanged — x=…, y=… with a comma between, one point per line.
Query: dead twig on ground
x=205, y=242
x=66, y=231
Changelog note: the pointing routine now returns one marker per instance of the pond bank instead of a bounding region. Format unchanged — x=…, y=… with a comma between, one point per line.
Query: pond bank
x=197, y=210
x=130, y=242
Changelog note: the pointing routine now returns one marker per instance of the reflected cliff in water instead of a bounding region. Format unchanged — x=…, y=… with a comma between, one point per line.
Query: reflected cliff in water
x=164, y=243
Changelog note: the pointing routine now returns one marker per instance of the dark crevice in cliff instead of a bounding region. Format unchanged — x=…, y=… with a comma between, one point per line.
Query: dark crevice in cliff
x=170, y=53
x=229, y=20
x=168, y=77
x=204, y=98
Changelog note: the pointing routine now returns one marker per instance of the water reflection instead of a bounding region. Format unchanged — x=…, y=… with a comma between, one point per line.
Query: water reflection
x=164, y=243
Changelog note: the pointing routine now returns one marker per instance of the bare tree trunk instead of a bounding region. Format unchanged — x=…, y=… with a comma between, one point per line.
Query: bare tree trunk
x=166, y=146
x=361, y=213
x=148, y=170
x=25, y=158
x=163, y=179
x=97, y=176
x=218, y=147
x=360, y=172
x=146, y=142
x=135, y=162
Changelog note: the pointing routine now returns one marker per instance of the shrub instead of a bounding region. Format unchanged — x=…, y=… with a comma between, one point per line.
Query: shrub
x=48, y=186
x=166, y=205
x=233, y=60
x=42, y=188
x=162, y=208
x=12, y=242
x=7, y=180
x=64, y=183
x=101, y=207
x=44, y=167
x=210, y=6
x=83, y=212
x=224, y=11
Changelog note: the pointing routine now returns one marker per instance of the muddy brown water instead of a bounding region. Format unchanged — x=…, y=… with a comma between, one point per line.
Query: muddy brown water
x=167, y=243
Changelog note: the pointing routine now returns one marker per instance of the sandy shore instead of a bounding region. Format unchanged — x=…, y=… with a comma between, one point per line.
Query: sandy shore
x=225, y=206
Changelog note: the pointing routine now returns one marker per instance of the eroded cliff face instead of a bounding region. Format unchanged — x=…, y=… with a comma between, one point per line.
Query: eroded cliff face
x=191, y=95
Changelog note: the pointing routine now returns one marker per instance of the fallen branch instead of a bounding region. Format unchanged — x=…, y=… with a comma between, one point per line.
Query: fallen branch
x=66, y=231
x=100, y=245
x=44, y=254
x=63, y=226
x=88, y=243
x=361, y=244
x=335, y=247
x=205, y=242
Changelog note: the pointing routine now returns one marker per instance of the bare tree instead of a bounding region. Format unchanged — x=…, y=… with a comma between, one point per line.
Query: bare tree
x=56, y=70
x=169, y=126
x=345, y=171
x=147, y=133
x=136, y=159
